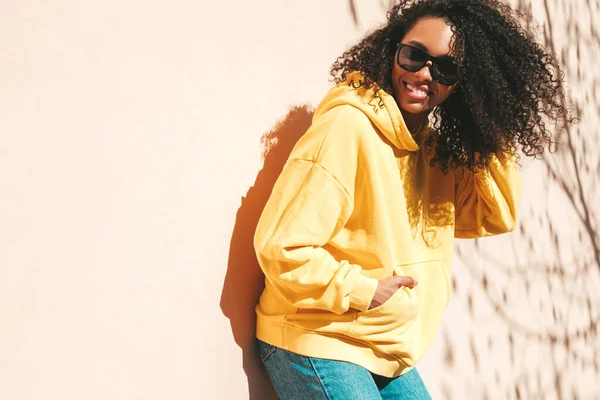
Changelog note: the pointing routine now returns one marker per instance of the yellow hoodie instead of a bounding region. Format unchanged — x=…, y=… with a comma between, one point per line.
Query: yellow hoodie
x=357, y=202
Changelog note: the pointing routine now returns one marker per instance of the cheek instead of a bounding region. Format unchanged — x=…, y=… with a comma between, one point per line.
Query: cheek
x=443, y=92
x=397, y=74
x=395, y=77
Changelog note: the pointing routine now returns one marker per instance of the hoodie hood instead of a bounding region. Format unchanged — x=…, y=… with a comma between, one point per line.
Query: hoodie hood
x=383, y=111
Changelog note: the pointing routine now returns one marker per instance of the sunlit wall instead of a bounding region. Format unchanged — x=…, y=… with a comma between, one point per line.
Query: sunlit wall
x=132, y=176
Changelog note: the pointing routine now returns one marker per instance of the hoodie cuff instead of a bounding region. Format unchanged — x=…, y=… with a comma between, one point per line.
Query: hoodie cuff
x=362, y=295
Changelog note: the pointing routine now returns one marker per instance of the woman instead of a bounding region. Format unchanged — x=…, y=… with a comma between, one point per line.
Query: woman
x=356, y=239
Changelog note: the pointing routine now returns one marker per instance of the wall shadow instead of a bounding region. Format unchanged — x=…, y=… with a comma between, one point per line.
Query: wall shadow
x=244, y=280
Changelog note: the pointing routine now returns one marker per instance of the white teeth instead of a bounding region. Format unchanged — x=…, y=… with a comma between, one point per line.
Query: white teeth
x=414, y=89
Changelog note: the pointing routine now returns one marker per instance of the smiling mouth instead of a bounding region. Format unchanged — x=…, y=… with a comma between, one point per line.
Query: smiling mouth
x=416, y=90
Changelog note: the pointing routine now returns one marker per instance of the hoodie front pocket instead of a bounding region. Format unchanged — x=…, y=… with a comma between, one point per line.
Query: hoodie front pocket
x=384, y=325
x=404, y=326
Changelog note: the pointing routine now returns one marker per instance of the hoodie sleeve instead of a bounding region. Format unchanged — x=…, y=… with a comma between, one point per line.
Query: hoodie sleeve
x=486, y=201
x=308, y=207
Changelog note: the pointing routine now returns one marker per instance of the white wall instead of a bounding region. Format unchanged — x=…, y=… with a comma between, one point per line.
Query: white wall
x=129, y=167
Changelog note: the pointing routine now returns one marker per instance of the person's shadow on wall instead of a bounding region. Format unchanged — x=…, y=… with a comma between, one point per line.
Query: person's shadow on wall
x=244, y=280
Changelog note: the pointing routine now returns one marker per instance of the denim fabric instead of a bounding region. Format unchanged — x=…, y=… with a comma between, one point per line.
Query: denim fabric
x=296, y=377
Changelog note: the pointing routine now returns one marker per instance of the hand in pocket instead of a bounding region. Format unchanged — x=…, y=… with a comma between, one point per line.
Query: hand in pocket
x=387, y=287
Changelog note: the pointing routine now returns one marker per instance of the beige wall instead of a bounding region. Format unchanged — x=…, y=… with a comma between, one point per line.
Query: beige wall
x=130, y=158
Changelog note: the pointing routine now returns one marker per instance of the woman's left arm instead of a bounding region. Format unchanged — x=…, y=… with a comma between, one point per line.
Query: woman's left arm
x=486, y=201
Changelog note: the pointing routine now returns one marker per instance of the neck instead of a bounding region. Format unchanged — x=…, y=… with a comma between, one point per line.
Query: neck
x=414, y=122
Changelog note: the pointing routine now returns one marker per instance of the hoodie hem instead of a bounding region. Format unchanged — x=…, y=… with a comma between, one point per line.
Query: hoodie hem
x=331, y=347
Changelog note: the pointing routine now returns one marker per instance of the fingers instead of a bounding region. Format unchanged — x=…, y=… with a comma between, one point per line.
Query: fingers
x=406, y=281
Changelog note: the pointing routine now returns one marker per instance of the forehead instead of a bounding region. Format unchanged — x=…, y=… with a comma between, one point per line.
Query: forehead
x=435, y=34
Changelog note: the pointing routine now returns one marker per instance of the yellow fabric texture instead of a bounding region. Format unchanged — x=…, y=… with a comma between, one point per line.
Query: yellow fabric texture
x=357, y=202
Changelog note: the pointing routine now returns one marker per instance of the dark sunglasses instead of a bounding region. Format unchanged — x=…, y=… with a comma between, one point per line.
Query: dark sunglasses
x=414, y=59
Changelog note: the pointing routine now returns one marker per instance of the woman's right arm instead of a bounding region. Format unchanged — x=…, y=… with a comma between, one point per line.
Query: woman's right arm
x=309, y=205
x=307, y=208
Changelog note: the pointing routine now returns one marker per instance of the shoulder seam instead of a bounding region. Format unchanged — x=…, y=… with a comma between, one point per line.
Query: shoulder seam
x=346, y=191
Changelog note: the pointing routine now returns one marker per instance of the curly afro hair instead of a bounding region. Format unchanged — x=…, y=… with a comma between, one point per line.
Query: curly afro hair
x=509, y=87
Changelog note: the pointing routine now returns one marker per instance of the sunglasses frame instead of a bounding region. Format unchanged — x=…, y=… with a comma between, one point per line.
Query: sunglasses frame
x=434, y=61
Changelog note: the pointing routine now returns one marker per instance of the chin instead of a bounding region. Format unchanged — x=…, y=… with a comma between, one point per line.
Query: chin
x=413, y=108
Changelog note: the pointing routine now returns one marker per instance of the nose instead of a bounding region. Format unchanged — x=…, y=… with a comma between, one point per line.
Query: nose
x=424, y=73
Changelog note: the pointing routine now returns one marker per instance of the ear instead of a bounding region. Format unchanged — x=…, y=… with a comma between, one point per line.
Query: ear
x=456, y=88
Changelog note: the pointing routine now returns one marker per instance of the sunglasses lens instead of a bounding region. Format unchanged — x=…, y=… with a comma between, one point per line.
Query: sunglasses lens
x=446, y=71
x=411, y=59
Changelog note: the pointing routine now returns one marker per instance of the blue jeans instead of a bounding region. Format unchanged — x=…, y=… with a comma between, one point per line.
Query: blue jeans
x=296, y=377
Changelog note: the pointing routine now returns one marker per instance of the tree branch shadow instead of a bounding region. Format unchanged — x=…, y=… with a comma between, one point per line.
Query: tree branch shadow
x=538, y=287
x=558, y=240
